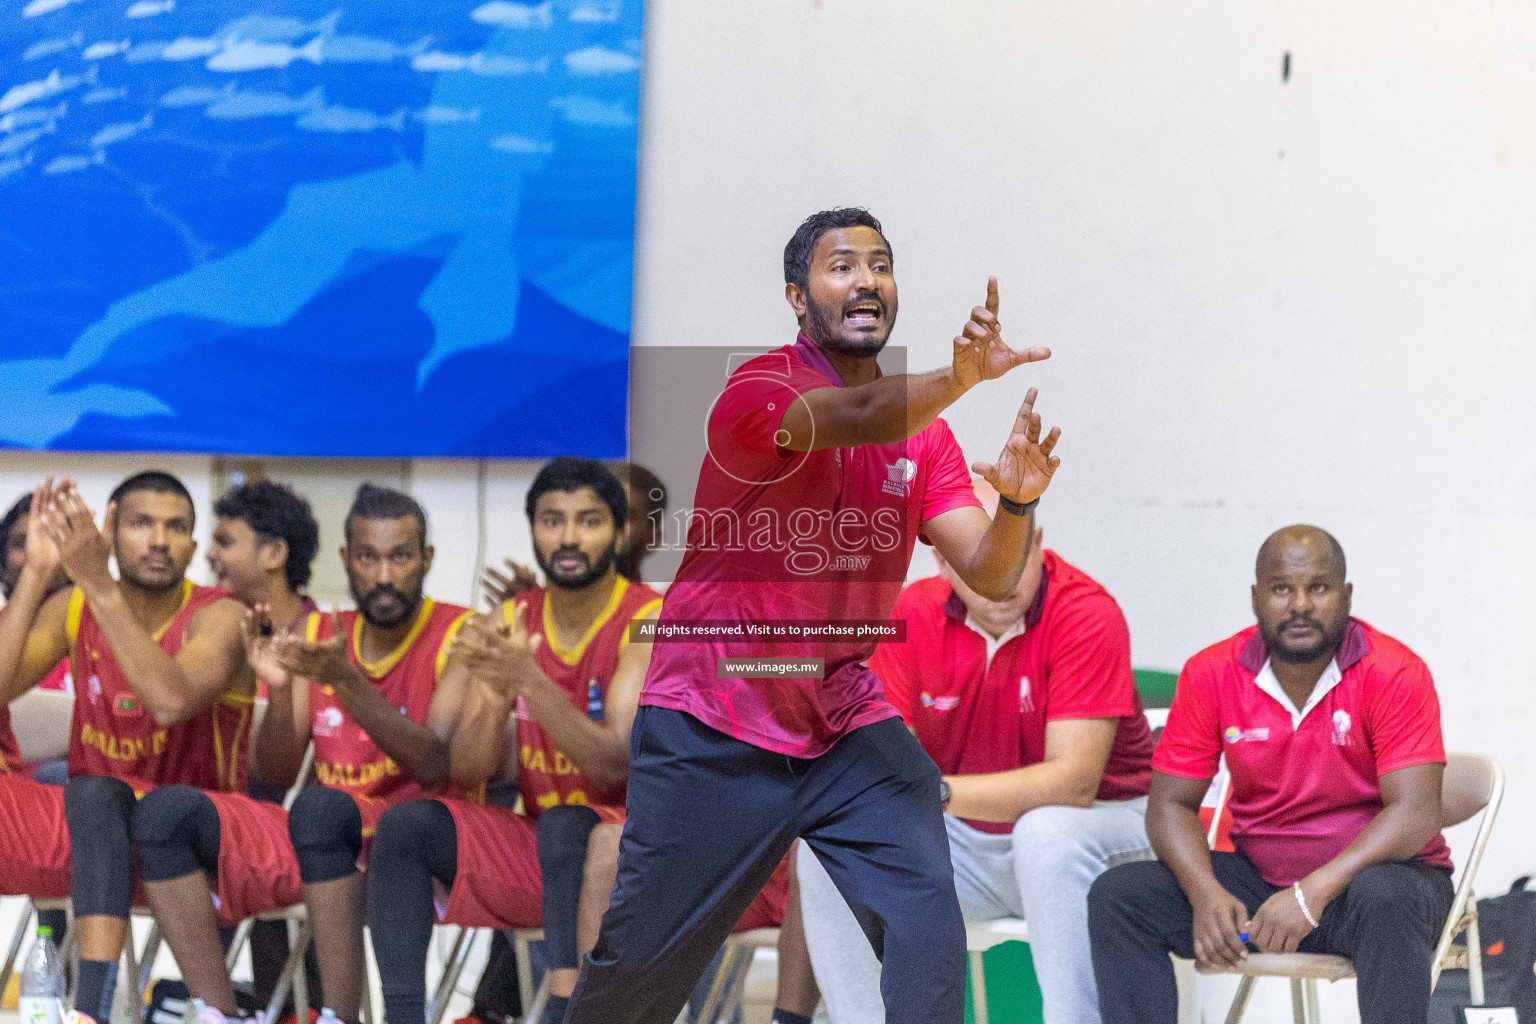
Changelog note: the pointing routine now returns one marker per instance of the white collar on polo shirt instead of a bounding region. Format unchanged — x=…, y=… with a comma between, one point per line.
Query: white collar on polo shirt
x=994, y=644
x=1267, y=681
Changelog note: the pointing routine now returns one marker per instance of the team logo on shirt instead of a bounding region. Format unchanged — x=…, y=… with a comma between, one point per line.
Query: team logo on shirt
x=1341, y=724
x=1256, y=735
x=127, y=707
x=1026, y=702
x=327, y=721
x=899, y=476
x=939, y=704
x=93, y=687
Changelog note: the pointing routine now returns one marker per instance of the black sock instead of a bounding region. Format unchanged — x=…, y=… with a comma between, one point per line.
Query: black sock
x=98, y=983
x=554, y=1010
x=789, y=1017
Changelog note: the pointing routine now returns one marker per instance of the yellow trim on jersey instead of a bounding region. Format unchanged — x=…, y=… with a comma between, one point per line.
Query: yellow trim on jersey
x=186, y=595
x=381, y=667
x=644, y=610
x=218, y=749
x=234, y=761
x=453, y=631
x=72, y=616
x=552, y=638
x=312, y=628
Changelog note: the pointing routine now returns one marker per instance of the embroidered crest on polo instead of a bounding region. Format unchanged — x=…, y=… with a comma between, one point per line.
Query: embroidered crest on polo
x=1233, y=734
x=899, y=476
x=1026, y=702
x=1341, y=724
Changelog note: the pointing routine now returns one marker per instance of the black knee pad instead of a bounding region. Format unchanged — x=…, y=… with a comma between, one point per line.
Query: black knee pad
x=98, y=810
x=326, y=829
x=176, y=830
x=414, y=829
x=563, y=832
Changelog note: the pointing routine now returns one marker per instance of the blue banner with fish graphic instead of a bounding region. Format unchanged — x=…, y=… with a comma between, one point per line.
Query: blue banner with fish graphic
x=389, y=229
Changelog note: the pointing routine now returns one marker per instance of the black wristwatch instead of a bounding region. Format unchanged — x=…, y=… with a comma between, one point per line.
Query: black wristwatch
x=945, y=792
x=1016, y=508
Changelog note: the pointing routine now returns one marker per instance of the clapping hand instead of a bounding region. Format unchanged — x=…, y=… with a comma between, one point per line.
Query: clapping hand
x=503, y=657
x=320, y=661
x=502, y=588
x=256, y=630
x=71, y=529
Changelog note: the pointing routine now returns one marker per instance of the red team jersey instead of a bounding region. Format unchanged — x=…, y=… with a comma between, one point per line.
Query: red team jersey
x=345, y=757
x=1303, y=790
x=977, y=712
x=810, y=536
x=545, y=776
x=114, y=734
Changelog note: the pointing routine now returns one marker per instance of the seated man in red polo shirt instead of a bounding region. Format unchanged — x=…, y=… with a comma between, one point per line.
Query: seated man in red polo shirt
x=1029, y=707
x=1331, y=732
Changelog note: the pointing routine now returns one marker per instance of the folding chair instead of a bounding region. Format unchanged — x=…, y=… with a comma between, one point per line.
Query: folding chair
x=300, y=928
x=981, y=936
x=725, y=993
x=1472, y=784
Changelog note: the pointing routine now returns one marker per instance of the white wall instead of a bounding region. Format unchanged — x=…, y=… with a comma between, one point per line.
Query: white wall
x=1269, y=301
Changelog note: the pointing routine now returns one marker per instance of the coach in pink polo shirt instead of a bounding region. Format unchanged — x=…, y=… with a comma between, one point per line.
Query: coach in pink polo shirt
x=1029, y=708
x=1331, y=731
x=821, y=475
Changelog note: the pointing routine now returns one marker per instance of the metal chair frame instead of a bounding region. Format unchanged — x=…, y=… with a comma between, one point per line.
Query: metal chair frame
x=1305, y=969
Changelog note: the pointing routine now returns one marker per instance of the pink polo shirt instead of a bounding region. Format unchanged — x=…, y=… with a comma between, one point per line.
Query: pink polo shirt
x=978, y=710
x=1304, y=781
x=783, y=536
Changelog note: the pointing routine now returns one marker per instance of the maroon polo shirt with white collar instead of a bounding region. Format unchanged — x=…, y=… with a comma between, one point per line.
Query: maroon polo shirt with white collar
x=979, y=706
x=1304, y=780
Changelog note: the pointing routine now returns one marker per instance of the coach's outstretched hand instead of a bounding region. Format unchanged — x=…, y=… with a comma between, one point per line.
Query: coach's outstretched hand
x=1025, y=468
x=980, y=352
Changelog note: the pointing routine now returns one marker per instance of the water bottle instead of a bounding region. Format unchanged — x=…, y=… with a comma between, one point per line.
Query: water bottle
x=42, y=982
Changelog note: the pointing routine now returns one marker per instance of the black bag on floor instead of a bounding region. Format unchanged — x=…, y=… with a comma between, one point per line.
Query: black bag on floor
x=1507, y=928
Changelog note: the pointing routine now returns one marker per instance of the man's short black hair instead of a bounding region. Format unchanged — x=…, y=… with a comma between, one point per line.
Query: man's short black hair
x=274, y=512
x=375, y=502
x=13, y=516
x=797, y=253
x=156, y=482
x=568, y=473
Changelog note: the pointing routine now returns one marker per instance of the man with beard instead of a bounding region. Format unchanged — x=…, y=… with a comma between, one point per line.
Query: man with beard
x=733, y=761
x=164, y=697
x=1331, y=732
x=377, y=692
x=556, y=680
